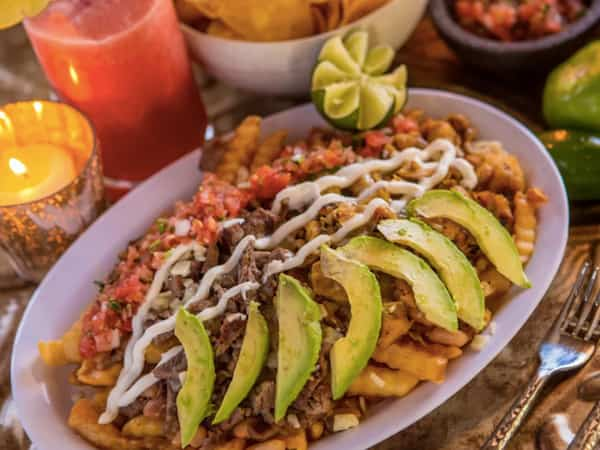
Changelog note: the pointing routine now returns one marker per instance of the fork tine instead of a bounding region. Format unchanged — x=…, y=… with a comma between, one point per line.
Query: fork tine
x=595, y=320
x=586, y=304
x=561, y=320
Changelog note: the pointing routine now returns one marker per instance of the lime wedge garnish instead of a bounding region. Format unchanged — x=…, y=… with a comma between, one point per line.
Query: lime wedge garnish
x=379, y=59
x=14, y=11
x=357, y=44
x=349, y=87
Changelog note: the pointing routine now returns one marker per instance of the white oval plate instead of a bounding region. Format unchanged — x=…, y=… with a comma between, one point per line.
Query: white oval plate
x=43, y=396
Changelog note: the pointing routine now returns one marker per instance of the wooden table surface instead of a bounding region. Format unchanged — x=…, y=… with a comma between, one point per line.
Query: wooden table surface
x=464, y=421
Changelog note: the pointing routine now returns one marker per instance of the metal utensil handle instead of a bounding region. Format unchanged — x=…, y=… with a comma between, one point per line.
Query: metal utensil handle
x=588, y=436
x=520, y=409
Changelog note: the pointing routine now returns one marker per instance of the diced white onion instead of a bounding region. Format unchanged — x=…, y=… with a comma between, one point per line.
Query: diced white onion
x=182, y=227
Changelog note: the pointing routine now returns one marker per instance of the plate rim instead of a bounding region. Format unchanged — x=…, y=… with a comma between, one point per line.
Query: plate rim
x=384, y=431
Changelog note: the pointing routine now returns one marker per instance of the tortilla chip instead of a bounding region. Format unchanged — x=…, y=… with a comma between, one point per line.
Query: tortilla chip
x=334, y=14
x=355, y=9
x=219, y=29
x=319, y=20
x=192, y=10
x=275, y=20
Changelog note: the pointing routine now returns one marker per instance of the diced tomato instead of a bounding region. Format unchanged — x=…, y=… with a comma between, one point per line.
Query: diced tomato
x=266, y=182
x=130, y=289
x=87, y=346
x=403, y=124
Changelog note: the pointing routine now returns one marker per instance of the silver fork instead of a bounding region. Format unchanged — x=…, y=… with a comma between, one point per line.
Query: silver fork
x=568, y=345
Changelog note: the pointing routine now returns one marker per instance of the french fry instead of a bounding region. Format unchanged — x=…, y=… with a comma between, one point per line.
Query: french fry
x=63, y=351
x=319, y=20
x=273, y=444
x=269, y=149
x=393, y=327
x=143, y=426
x=53, y=353
x=240, y=149
x=84, y=420
x=413, y=359
x=376, y=381
x=88, y=374
x=446, y=351
x=296, y=441
x=456, y=338
x=316, y=430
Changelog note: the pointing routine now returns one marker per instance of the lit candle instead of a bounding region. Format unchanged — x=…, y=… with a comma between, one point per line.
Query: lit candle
x=33, y=171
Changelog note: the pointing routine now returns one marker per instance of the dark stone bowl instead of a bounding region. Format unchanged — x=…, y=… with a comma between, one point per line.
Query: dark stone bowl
x=537, y=55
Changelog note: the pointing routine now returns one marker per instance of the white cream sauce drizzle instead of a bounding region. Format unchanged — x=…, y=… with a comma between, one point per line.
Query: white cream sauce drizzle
x=296, y=197
x=125, y=378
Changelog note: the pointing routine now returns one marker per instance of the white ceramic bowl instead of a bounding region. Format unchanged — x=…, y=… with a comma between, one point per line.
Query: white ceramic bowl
x=285, y=68
x=42, y=394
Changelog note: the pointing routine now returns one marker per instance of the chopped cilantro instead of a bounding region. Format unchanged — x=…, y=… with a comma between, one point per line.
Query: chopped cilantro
x=162, y=225
x=100, y=285
x=114, y=305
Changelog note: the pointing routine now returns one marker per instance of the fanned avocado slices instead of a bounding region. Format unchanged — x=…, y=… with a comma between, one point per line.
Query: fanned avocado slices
x=300, y=338
x=253, y=355
x=431, y=296
x=350, y=354
x=493, y=239
x=451, y=264
x=193, y=400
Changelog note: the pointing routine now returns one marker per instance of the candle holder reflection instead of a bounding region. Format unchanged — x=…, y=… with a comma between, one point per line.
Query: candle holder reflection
x=50, y=183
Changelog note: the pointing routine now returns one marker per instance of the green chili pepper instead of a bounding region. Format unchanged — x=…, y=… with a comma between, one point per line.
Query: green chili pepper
x=572, y=92
x=577, y=155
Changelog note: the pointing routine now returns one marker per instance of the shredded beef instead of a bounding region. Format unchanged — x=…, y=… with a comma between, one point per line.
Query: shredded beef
x=232, y=329
x=238, y=415
x=171, y=422
x=262, y=400
x=175, y=285
x=162, y=338
x=267, y=289
x=247, y=270
x=230, y=236
x=259, y=222
x=214, y=439
x=315, y=399
x=171, y=368
x=134, y=409
x=212, y=258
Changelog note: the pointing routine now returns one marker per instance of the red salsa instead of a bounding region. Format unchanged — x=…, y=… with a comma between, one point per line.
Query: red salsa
x=517, y=20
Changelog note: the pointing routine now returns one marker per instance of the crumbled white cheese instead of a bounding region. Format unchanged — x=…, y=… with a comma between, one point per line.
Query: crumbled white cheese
x=162, y=300
x=272, y=360
x=200, y=253
x=293, y=420
x=182, y=377
x=235, y=316
x=376, y=379
x=182, y=227
x=479, y=342
x=343, y=422
x=181, y=268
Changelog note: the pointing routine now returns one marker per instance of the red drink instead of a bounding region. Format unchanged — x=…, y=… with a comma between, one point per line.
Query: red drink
x=124, y=63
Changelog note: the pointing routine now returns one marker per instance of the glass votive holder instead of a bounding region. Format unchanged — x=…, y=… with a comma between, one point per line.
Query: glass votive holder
x=50, y=183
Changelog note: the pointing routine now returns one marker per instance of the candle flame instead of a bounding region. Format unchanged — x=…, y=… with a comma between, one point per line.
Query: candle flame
x=73, y=74
x=38, y=107
x=17, y=166
x=4, y=118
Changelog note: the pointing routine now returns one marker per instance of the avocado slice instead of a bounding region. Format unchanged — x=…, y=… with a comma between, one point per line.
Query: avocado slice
x=193, y=400
x=253, y=356
x=350, y=354
x=450, y=263
x=298, y=317
x=493, y=239
x=431, y=296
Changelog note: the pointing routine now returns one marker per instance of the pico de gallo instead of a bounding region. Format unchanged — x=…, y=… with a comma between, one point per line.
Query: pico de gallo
x=517, y=20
